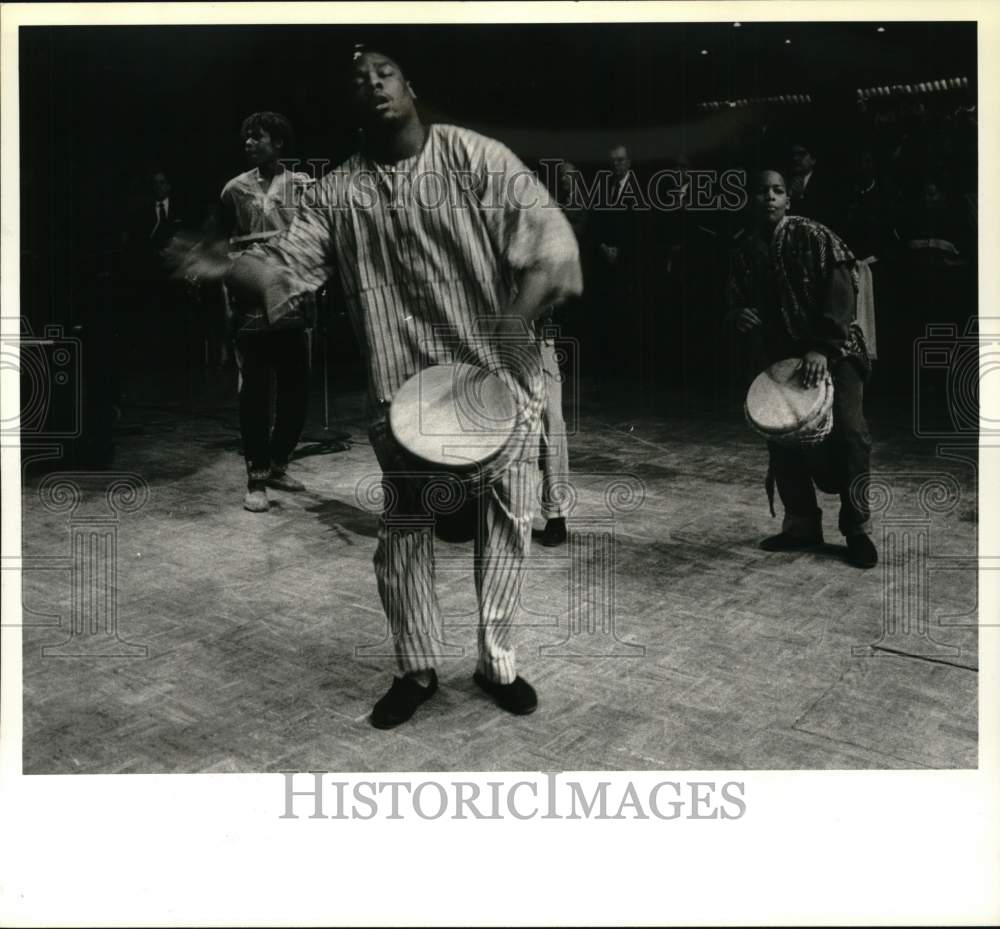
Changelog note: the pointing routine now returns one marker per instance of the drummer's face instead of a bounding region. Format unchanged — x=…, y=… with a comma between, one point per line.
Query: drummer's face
x=770, y=197
x=381, y=92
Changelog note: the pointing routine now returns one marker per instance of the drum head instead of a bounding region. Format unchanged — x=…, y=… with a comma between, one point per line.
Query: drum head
x=778, y=403
x=455, y=416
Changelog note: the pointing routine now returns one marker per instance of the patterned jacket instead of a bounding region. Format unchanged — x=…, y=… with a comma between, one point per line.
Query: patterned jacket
x=804, y=260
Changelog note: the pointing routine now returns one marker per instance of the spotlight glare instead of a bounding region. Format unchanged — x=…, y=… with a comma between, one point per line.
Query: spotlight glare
x=880, y=29
x=788, y=41
x=737, y=25
x=704, y=51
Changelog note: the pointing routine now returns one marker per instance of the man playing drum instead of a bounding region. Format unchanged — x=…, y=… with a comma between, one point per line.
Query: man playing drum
x=446, y=246
x=793, y=284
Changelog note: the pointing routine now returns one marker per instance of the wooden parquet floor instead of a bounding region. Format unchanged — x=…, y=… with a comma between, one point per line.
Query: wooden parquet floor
x=266, y=644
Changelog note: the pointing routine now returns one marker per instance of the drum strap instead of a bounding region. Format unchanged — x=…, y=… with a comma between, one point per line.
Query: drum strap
x=769, y=488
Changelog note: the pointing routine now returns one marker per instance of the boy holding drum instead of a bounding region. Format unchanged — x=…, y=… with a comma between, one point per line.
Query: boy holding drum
x=793, y=284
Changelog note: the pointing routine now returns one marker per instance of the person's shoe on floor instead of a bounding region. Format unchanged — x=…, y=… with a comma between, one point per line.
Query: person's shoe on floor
x=861, y=551
x=783, y=542
x=280, y=479
x=554, y=532
x=401, y=701
x=517, y=697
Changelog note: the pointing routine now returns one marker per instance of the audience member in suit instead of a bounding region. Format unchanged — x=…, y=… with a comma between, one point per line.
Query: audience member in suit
x=554, y=444
x=618, y=267
x=692, y=250
x=814, y=192
x=155, y=322
x=938, y=264
x=869, y=231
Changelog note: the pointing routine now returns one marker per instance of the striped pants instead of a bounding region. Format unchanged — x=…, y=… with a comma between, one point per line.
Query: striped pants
x=404, y=560
x=555, y=446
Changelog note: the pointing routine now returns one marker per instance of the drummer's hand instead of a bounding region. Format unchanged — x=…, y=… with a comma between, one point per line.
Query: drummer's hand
x=511, y=330
x=747, y=319
x=193, y=258
x=514, y=343
x=813, y=368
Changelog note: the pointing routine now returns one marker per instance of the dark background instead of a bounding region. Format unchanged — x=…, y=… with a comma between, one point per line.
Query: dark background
x=102, y=107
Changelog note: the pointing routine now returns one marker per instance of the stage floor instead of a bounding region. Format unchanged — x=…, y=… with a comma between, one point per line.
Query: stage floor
x=660, y=638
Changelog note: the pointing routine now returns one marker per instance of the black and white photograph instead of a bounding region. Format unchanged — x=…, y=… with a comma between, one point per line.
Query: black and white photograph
x=478, y=393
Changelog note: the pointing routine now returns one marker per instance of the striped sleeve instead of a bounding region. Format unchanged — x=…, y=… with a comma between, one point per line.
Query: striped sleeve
x=528, y=226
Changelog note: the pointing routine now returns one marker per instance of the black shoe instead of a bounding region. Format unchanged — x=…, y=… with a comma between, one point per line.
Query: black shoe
x=861, y=551
x=783, y=542
x=517, y=697
x=401, y=701
x=554, y=532
x=280, y=479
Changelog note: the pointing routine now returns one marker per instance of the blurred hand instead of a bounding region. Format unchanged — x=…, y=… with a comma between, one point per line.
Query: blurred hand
x=195, y=259
x=812, y=368
x=747, y=319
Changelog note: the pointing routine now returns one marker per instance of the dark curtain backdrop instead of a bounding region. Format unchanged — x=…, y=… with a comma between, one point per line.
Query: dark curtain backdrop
x=101, y=107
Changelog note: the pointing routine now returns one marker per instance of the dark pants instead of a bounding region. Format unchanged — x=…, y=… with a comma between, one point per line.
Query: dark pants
x=285, y=356
x=154, y=334
x=840, y=464
x=616, y=308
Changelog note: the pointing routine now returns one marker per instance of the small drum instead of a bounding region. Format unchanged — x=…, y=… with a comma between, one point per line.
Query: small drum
x=782, y=410
x=455, y=424
x=457, y=419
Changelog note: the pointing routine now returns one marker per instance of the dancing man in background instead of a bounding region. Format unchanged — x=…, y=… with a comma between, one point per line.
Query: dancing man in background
x=272, y=343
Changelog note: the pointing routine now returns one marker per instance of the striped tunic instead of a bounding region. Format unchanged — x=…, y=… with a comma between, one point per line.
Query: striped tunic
x=428, y=250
